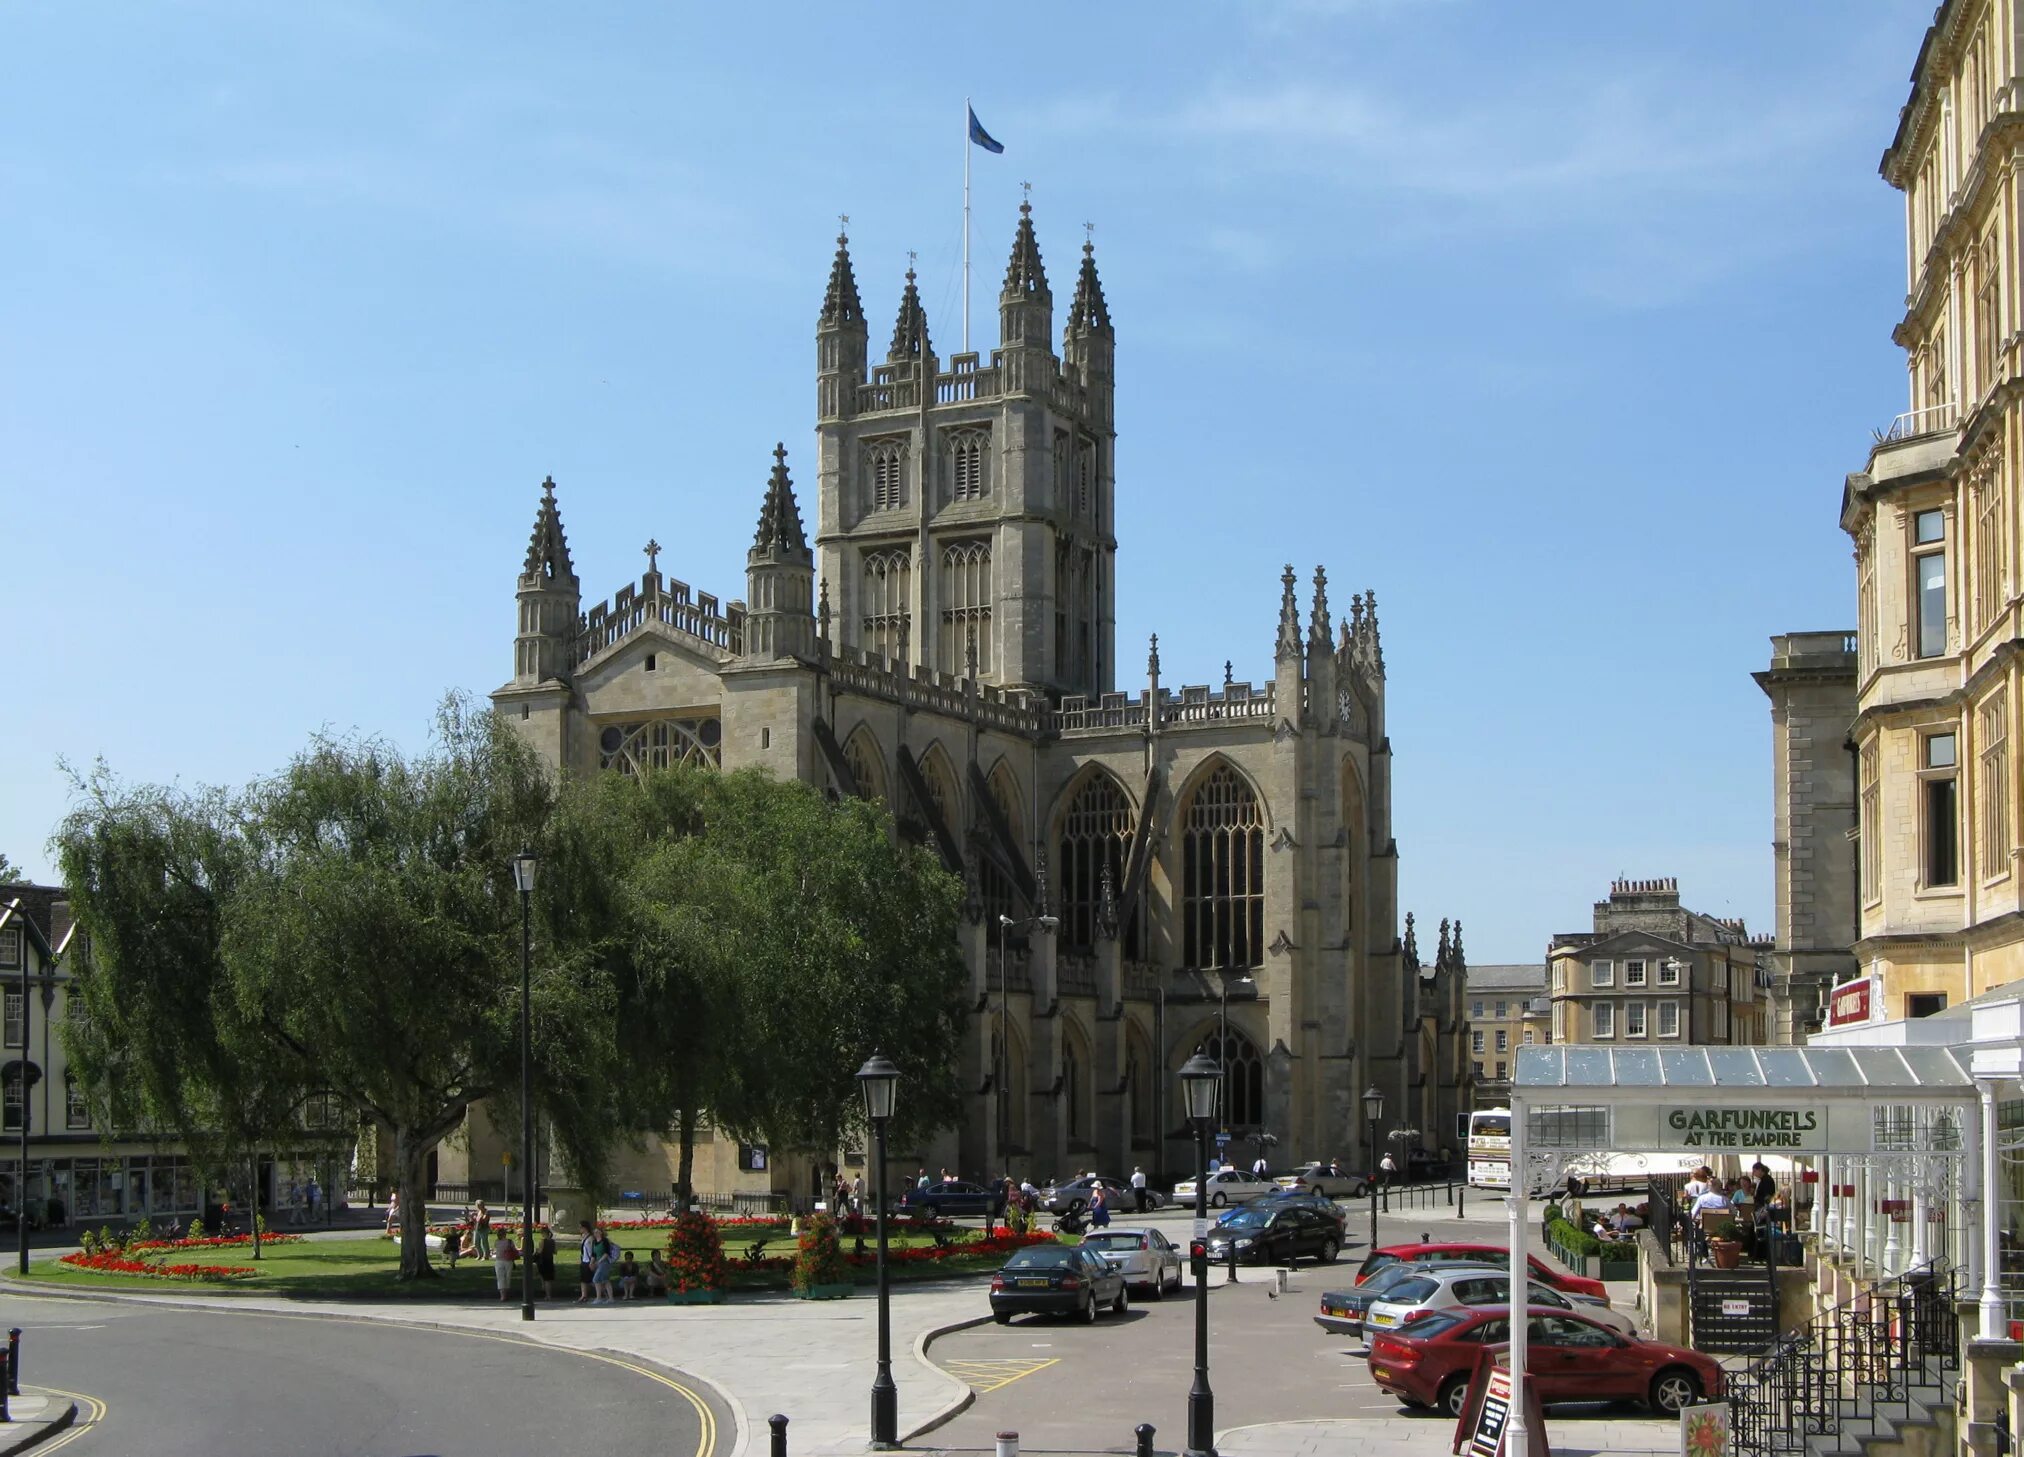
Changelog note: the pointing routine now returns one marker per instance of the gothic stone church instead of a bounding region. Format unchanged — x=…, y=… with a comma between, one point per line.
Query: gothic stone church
x=946, y=643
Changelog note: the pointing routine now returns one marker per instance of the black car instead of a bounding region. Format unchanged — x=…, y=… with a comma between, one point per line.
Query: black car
x=954, y=1197
x=1268, y=1235
x=1296, y=1199
x=1057, y=1280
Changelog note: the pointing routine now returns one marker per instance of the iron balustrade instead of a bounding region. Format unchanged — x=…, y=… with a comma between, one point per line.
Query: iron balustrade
x=1880, y=1347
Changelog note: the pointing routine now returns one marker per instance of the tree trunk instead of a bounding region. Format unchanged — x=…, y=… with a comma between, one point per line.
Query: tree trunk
x=253, y=1183
x=411, y=1167
x=685, y=1171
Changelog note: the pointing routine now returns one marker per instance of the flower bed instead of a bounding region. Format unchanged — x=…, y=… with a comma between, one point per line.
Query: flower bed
x=209, y=1242
x=114, y=1262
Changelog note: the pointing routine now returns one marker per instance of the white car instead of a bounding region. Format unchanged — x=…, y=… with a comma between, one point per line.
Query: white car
x=1316, y=1176
x=1405, y=1301
x=1226, y=1186
x=1146, y=1256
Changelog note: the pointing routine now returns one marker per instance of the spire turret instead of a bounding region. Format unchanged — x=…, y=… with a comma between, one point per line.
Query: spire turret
x=544, y=648
x=1088, y=346
x=1025, y=276
x=779, y=574
x=1026, y=315
x=841, y=339
x=1289, y=619
x=1089, y=311
x=910, y=329
x=1318, y=630
x=840, y=302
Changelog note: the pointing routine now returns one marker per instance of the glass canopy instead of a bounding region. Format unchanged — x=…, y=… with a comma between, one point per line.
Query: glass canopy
x=1887, y=1074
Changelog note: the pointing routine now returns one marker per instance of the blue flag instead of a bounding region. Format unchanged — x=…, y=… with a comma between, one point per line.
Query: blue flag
x=981, y=137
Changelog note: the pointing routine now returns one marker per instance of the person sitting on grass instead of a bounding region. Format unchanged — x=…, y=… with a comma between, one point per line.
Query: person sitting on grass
x=628, y=1277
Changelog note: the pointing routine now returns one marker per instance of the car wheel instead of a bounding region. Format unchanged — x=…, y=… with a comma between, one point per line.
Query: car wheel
x=1329, y=1250
x=1672, y=1389
x=1003, y=1317
x=1123, y=1301
x=1089, y=1309
x=1217, y=1200
x=1454, y=1396
x=1158, y=1290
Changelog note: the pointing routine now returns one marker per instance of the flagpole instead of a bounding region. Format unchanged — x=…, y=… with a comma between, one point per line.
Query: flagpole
x=966, y=224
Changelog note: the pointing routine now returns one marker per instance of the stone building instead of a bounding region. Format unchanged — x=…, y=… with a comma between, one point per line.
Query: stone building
x=1508, y=1008
x=1653, y=973
x=1933, y=516
x=943, y=639
x=1811, y=685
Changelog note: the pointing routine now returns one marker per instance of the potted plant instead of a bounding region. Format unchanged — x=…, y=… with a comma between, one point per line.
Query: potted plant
x=696, y=1258
x=1618, y=1260
x=819, y=1270
x=1725, y=1244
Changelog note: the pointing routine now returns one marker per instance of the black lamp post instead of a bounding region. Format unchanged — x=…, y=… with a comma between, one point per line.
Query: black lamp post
x=1200, y=1085
x=878, y=1078
x=523, y=881
x=1373, y=1114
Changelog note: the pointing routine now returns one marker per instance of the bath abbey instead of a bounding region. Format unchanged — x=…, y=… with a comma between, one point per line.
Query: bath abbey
x=1152, y=870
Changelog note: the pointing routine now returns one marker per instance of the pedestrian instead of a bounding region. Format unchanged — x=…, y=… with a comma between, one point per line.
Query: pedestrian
x=544, y=1263
x=604, y=1259
x=393, y=1211
x=1099, y=1208
x=481, y=1231
x=857, y=1194
x=1259, y=1167
x=1139, y=1198
x=315, y=1195
x=921, y=1180
x=503, y=1255
x=453, y=1239
x=292, y=1197
x=1386, y=1169
x=586, y=1249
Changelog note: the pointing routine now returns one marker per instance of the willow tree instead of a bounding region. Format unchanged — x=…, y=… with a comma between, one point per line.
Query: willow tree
x=359, y=933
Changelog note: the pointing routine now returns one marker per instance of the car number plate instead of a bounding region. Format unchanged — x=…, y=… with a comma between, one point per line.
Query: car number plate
x=1033, y=1284
x=1379, y=1319
x=1334, y=1309
x=1380, y=1373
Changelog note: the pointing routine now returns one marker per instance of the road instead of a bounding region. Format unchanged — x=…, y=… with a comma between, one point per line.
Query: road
x=186, y=1383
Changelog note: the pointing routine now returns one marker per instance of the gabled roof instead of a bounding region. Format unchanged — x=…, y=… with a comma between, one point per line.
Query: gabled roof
x=40, y=913
x=1619, y=940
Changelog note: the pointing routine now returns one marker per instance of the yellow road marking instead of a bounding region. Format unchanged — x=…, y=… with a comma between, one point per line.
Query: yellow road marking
x=983, y=1376
x=93, y=1412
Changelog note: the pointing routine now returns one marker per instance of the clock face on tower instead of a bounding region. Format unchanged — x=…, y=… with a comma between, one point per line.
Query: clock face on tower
x=1345, y=706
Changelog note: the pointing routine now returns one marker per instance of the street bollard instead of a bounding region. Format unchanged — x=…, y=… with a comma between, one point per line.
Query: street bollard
x=14, y=1361
x=779, y=1425
x=1145, y=1439
x=5, y=1415
x=1233, y=1261
x=1008, y=1444
x=1279, y=1278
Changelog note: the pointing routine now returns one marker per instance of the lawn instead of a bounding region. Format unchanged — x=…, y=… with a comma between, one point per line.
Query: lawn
x=364, y=1268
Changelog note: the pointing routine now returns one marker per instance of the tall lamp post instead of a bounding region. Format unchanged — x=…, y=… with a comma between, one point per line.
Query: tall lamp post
x=999, y=1128
x=523, y=881
x=1373, y=1114
x=1201, y=1082
x=878, y=1078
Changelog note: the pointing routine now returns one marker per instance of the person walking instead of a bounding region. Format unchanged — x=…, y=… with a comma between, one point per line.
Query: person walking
x=1386, y=1169
x=393, y=1211
x=1140, y=1200
x=586, y=1249
x=481, y=1231
x=292, y=1197
x=504, y=1254
x=544, y=1263
x=857, y=1194
x=315, y=1196
x=604, y=1259
x=1099, y=1208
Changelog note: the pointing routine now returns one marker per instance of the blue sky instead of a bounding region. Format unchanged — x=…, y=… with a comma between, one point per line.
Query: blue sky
x=1557, y=326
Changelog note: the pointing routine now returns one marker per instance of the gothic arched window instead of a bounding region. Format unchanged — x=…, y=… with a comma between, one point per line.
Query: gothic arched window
x=1222, y=874
x=867, y=764
x=941, y=782
x=1096, y=830
x=885, y=474
x=966, y=606
x=969, y=464
x=1243, y=1077
x=634, y=748
x=888, y=587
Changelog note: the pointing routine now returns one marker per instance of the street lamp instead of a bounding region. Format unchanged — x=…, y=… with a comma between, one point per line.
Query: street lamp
x=523, y=881
x=1201, y=1082
x=878, y=1077
x=1373, y=1114
x=999, y=1127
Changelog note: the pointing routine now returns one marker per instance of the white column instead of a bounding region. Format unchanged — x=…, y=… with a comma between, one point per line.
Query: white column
x=1827, y=1206
x=1992, y=1219
x=1893, y=1228
x=1865, y=1224
x=1922, y=1211
x=1517, y=1440
x=1965, y=1229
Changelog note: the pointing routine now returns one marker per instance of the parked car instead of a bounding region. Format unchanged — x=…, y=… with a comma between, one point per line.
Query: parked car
x=1457, y=1252
x=1342, y=1311
x=1226, y=1186
x=1298, y=1199
x=1439, y=1288
x=1071, y=1196
x=1262, y=1235
x=1570, y=1357
x=1316, y=1176
x=1071, y=1280
x=1146, y=1256
x=954, y=1197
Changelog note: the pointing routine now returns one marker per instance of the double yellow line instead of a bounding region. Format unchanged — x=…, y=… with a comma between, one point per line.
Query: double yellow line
x=92, y=1411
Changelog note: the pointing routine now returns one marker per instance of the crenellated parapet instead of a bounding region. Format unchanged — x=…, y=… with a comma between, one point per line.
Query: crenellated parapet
x=671, y=603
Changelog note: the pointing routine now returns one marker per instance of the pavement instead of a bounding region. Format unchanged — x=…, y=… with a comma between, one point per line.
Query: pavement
x=34, y=1417
x=812, y=1361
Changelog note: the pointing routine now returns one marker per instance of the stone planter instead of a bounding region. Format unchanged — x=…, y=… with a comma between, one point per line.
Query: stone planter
x=1727, y=1254
x=826, y=1292
x=695, y=1297
x=1608, y=1268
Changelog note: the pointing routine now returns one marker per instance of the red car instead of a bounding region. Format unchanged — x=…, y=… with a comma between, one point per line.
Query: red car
x=1478, y=1254
x=1429, y=1362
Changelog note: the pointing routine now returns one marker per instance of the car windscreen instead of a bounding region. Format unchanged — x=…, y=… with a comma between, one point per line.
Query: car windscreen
x=1037, y=1259
x=1437, y=1324
x=1374, y=1263
x=1112, y=1242
x=1413, y=1291
x=1248, y=1219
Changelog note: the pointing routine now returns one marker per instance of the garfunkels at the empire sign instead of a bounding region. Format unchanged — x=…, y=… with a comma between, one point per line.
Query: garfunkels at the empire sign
x=1712, y=1128
x=1735, y=1129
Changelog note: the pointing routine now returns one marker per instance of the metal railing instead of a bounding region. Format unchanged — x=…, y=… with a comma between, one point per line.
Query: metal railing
x=1829, y=1376
x=1930, y=420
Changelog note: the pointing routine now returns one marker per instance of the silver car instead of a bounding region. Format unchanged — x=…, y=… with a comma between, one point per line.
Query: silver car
x=1146, y=1256
x=1446, y=1289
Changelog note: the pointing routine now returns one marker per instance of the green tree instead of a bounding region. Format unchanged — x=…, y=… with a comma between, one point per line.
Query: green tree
x=358, y=931
x=10, y=873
